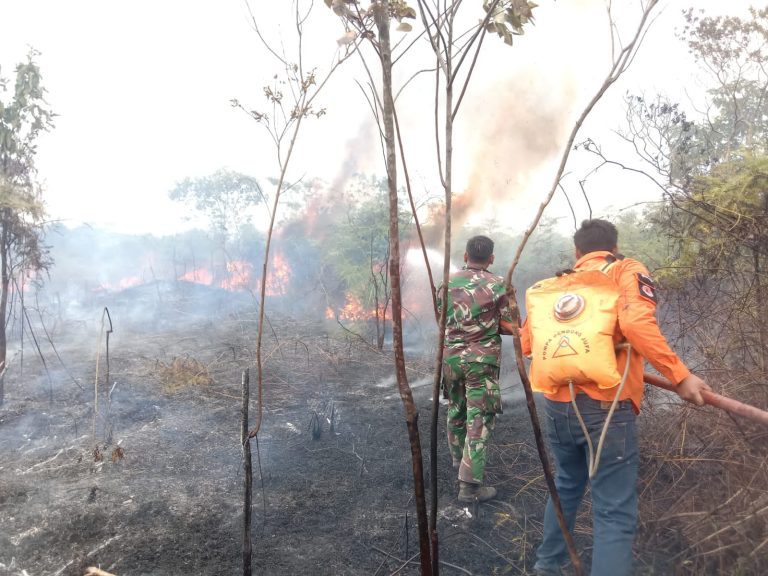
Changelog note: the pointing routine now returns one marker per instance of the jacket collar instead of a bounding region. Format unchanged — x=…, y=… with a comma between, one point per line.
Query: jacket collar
x=592, y=259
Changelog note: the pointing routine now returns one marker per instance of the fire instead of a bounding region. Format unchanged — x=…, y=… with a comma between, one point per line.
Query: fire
x=234, y=276
x=352, y=311
x=122, y=284
x=129, y=282
x=146, y=270
x=198, y=276
x=240, y=276
x=279, y=276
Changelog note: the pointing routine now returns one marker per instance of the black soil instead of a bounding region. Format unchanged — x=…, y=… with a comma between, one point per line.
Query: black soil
x=154, y=483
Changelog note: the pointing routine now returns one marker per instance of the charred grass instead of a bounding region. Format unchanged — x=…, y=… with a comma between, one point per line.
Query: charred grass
x=152, y=484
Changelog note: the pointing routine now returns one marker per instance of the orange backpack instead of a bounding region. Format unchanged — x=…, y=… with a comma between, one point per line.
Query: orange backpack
x=572, y=320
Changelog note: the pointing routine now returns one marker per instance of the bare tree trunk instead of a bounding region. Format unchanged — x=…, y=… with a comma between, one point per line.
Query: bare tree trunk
x=411, y=413
x=549, y=477
x=248, y=473
x=5, y=282
x=448, y=189
x=379, y=305
x=441, y=20
x=290, y=132
x=759, y=293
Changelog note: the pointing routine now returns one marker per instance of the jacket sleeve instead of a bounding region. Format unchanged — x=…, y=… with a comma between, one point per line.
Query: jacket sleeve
x=637, y=321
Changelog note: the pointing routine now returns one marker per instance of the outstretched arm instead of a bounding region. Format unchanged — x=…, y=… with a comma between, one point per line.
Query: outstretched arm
x=637, y=320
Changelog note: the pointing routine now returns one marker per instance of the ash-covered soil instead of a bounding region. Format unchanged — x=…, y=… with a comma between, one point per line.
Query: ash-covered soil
x=153, y=484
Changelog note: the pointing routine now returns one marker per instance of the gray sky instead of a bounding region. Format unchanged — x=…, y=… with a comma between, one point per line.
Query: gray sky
x=143, y=90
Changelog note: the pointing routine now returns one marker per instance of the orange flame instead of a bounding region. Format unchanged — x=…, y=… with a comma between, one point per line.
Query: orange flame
x=240, y=276
x=279, y=277
x=198, y=276
x=129, y=282
x=122, y=284
x=352, y=311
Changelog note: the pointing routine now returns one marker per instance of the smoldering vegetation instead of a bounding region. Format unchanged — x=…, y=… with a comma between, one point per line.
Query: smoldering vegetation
x=121, y=446
x=120, y=429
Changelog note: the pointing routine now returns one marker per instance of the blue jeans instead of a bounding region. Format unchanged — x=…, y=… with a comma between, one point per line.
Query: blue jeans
x=614, y=486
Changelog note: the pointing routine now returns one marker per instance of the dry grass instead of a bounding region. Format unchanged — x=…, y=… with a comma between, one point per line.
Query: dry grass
x=181, y=373
x=704, y=488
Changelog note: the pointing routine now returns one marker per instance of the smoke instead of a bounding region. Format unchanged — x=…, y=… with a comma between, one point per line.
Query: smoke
x=325, y=203
x=512, y=148
x=516, y=115
x=358, y=157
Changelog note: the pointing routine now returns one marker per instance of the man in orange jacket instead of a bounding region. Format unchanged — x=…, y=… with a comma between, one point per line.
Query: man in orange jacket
x=614, y=484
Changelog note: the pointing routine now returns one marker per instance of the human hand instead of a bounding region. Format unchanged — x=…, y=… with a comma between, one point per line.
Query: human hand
x=508, y=328
x=690, y=389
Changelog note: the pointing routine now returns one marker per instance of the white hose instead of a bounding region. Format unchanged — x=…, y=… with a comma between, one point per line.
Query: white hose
x=594, y=457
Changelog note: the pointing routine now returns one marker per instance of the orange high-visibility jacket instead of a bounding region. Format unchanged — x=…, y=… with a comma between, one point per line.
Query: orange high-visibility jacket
x=636, y=324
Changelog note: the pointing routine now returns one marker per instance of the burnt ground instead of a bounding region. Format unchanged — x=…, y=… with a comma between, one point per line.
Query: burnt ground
x=154, y=484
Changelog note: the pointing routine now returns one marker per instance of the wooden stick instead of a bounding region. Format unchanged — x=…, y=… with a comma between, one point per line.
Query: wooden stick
x=411, y=561
x=713, y=399
x=93, y=571
x=541, y=447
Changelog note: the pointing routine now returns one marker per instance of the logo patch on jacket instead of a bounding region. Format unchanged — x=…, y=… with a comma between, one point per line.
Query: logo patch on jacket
x=647, y=288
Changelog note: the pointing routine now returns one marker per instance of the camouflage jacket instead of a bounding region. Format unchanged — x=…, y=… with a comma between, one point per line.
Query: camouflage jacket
x=477, y=300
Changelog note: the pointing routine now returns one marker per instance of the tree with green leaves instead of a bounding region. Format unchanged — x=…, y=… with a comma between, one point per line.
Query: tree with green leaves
x=711, y=168
x=359, y=250
x=372, y=21
x=454, y=50
x=718, y=230
x=227, y=199
x=23, y=118
x=731, y=53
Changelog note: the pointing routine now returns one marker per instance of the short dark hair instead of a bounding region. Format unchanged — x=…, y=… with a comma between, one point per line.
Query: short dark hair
x=480, y=249
x=594, y=235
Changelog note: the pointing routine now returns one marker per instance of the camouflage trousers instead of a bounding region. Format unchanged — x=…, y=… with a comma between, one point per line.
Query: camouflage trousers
x=472, y=390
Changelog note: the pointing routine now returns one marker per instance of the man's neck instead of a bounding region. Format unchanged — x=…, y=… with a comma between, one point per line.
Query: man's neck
x=475, y=266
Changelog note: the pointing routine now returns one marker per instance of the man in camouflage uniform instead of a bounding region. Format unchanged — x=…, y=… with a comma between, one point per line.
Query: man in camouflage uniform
x=476, y=314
